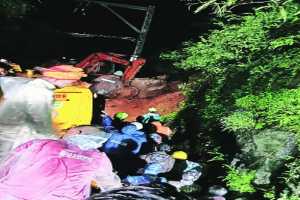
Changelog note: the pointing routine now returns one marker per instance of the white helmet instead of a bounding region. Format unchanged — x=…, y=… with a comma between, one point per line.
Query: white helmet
x=138, y=125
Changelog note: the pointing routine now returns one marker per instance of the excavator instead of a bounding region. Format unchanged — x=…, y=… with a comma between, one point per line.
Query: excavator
x=136, y=94
x=92, y=64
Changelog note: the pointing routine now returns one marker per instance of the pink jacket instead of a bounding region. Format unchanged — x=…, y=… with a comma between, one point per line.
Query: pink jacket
x=54, y=170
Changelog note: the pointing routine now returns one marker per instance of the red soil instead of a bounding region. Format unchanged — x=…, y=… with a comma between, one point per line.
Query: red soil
x=165, y=103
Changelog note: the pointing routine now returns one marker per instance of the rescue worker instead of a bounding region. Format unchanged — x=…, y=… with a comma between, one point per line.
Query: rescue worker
x=98, y=107
x=26, y=111
x=184, y=172
x=153, y=139
x=56, y=169
x=128, y=136
x=174, y=169
x=164, y=131
x=152, y=115
x=3, y=71
x=6, y=69
x=117, y=123
x=157, y=162
x=124, y=147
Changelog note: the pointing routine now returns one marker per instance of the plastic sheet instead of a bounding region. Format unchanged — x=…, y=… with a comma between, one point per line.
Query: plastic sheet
x=25, y=112
x=151, y=192
x=192, y=173
x=158, y=162
x=89, y=140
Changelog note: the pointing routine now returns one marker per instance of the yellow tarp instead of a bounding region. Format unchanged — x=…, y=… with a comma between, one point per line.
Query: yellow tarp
x=73, y=106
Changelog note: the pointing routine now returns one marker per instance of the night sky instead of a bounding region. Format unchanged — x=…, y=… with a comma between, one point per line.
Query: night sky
x=41, y=35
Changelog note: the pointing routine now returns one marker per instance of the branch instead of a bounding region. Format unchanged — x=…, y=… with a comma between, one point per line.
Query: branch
x=248, y=3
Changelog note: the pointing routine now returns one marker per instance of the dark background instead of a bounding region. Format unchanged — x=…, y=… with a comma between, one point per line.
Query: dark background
x=41, y=36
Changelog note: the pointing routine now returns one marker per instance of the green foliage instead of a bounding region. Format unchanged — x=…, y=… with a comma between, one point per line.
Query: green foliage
x=240, y=121
x=169, y=117
x=229, y=64
x=222, y=8
x=270, y=109
x=270, y=195
x=216, y=155
x=15, y=8
x=240, y=180
x=283, y=41
x=246, y=79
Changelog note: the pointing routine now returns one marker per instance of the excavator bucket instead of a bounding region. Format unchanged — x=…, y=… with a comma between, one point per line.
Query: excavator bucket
x=133, y=69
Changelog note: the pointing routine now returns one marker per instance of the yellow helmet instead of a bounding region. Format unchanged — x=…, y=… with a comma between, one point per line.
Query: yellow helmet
x=180, y=155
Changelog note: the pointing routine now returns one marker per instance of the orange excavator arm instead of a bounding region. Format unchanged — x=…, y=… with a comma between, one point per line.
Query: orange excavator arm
x=131, y=68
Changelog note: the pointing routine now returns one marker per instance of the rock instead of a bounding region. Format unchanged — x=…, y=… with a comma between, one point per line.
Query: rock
x=266, y=151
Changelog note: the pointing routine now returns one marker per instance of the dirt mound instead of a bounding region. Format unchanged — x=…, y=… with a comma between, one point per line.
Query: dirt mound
x=164, y=103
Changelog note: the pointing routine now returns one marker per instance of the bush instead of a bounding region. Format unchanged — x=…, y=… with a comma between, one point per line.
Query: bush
x=228, y=64
x=270, y=109
x=240, y=180
x=246, y=78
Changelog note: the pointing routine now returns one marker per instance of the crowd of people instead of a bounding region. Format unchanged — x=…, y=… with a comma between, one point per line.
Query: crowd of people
x=106, y=157
x=144, y=144
x=36, y=164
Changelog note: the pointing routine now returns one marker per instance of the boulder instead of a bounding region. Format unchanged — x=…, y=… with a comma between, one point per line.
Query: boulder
x=266, y=151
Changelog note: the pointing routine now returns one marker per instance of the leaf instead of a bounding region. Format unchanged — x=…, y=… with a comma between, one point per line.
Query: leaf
x=283, y=13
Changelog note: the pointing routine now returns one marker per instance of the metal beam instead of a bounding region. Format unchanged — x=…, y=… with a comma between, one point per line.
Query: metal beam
x=121, y=18
x=88, y=35
x=142, y=8
x=142, y=37
x=145, y=27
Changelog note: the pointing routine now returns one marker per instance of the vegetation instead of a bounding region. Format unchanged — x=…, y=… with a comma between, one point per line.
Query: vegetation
x=169, y=117
x=225, y=7
x=270, y=109
x=246, y=78
x=240, y=180
x=16, y=8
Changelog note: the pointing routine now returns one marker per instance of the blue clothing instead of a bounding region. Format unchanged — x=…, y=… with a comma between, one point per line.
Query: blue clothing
x=107, y=123
x=128, y=136
x=139, y=180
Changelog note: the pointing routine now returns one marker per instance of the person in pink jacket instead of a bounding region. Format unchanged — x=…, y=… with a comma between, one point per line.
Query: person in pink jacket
x=48, y=169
